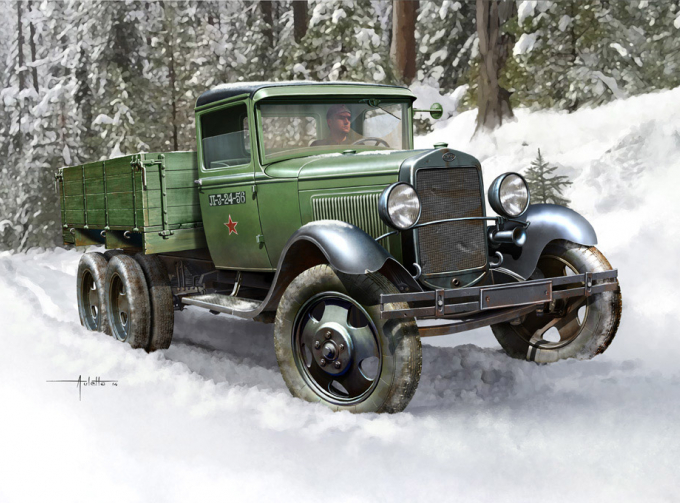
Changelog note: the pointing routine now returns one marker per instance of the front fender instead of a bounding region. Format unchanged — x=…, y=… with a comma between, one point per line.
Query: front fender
x=345, y=247
x=548, y=222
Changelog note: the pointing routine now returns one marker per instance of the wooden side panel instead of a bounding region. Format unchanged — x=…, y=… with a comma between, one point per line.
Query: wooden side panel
x=120, y=194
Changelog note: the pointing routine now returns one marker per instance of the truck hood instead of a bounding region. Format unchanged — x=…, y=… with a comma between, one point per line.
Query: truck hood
x=341, y=165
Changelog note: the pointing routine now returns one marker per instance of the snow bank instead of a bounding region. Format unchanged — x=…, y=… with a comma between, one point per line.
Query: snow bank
x=211, y=417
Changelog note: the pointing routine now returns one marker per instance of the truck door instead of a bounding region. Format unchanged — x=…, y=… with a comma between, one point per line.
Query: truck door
x=227, y=190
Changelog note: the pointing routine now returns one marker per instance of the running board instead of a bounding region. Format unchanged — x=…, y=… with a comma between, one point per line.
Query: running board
x=219, y=303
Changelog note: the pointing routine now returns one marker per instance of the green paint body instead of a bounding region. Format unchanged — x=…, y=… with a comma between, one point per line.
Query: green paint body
x=163, y=199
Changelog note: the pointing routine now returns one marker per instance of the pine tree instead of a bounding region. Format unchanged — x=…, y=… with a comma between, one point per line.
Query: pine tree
x=344, y=41
x=216, y=42
x=544, y=185
x=173, y=56
x=49, y=132
x=259, y=34
x=111, y=35
x=572, y=53
x=556, y=57
x=445, y=33
x=643, y=45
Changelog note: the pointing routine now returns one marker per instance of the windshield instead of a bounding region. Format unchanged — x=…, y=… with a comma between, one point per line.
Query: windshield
x=299, y=129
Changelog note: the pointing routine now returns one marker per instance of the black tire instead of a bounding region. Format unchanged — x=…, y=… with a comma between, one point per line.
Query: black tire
x=127, y=301
x=589, y=325
x=160, y=297
x=392, y=346
x=90, y=281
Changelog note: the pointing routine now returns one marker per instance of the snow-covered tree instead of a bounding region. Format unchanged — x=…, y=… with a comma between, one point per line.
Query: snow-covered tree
x=544, y=185
x=20, y=182
x=559, y=54
x=344, y=42
x=571, y=53
x=445, y=35
x=111, y=35
x=644, y=45
x=174, y=54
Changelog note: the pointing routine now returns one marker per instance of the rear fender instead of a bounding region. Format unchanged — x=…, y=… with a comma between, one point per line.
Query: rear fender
x=548, y=222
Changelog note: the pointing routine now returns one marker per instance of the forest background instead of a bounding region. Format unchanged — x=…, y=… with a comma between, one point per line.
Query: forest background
x=83, y=81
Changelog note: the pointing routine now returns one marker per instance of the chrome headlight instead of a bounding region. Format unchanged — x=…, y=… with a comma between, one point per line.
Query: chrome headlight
x=399, y=206
x=509, y=195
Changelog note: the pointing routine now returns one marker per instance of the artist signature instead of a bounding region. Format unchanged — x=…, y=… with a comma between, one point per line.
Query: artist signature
x=80, y=382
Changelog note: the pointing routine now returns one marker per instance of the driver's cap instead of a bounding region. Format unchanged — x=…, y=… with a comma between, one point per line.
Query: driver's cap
x=334, y=110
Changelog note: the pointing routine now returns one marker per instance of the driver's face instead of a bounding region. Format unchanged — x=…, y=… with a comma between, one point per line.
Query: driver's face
x=340, y=122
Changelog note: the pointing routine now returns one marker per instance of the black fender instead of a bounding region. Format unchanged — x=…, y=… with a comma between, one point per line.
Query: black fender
x=345, y=247
x=548, y=222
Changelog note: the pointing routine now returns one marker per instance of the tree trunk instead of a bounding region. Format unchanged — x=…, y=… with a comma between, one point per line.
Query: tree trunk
x=403, y=47
x=299, y=19
x=172, y=75
x=20, y=71
x=83, y=93
x=33, y=55
x=493, y=101
x=268, y=18
x=573, y=55
x=173, y=99
x=20, y=48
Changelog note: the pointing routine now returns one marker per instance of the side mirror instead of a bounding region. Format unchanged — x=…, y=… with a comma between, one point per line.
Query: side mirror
x=436, y=111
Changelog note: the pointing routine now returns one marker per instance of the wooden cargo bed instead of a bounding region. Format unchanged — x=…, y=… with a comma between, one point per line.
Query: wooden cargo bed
x=144, y=201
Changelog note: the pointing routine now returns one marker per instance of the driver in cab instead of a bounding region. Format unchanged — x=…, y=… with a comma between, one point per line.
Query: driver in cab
x=339, y=119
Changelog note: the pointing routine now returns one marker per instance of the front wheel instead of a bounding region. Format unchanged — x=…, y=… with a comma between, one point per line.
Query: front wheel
x=333, y=347
x=581, y=327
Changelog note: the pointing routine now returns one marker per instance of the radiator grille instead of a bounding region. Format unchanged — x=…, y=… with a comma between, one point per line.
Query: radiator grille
x=360, y=210
x=452, y=246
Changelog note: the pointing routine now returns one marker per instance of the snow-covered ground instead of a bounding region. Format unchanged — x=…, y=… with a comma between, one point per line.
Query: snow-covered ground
x=211, y=418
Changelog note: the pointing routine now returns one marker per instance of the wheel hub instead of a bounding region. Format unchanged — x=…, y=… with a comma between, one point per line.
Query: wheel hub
x=332, y=348
x=330, y=352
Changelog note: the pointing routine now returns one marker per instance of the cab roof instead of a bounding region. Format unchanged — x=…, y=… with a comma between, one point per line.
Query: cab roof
x=225, y=91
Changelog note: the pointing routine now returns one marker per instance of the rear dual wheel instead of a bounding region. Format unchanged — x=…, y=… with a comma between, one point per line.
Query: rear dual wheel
x=129, y=298
x=127, y=301
x=90, y=280
x=160, y=301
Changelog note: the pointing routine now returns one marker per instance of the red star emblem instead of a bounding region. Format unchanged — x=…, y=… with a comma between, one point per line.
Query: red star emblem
x=232, y=226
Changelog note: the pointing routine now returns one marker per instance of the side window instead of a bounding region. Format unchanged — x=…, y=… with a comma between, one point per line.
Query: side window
x=226, y=139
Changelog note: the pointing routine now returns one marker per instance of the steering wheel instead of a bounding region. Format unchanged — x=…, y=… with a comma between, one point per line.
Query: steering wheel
x=378, y=141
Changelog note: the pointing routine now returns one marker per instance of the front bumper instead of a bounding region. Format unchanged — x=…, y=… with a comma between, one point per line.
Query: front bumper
x=475, y=307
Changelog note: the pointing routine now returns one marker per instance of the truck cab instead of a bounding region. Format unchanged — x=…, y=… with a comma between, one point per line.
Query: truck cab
x=268, y=162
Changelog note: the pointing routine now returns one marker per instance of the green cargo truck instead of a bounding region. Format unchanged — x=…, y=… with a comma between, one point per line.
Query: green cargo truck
x=306, y=206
